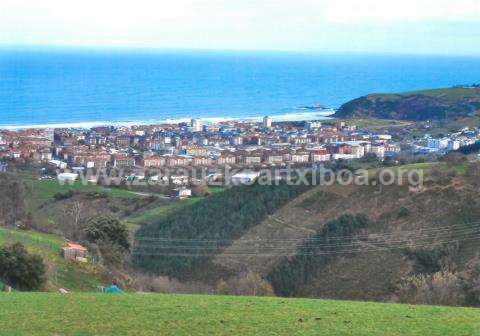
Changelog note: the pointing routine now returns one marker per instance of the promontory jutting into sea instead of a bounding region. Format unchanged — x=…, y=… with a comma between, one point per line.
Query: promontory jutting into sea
x=94, y=87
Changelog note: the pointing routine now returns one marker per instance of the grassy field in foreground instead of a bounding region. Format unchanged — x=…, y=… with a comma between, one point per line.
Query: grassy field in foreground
x=35, y=314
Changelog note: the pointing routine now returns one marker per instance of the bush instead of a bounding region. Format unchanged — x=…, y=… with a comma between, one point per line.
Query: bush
x=21, y=270
x=250, y=283
x=107, y=229
x=63, y=195
x=471, y=281
x=433, y=259
x=96, y=194
x=441, y=288
x=200, y=190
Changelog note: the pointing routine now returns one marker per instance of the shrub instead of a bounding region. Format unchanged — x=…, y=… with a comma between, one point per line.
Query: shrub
x=471, y=281
x=433, y=259
x=107, y=229
x=20, y=269
x=441, y=288
x=63, y=195
x=249, y=283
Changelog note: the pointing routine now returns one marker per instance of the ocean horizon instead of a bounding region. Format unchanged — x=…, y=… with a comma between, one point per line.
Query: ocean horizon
x=85, y=88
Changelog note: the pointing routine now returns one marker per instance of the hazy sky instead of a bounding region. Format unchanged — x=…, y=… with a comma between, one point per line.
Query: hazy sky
x=407, y=26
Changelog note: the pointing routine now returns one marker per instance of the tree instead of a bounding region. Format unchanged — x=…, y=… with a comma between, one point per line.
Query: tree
x=12, y=199
x=73, y=220
x=20, y=269
x=200, y=190
x=107, y=229
x=471, y=281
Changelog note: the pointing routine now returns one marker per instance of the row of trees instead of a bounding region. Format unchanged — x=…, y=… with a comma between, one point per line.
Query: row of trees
x=212, y=223
x=291, y=274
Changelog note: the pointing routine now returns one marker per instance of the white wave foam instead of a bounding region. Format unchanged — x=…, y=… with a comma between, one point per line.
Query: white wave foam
x=293, y=116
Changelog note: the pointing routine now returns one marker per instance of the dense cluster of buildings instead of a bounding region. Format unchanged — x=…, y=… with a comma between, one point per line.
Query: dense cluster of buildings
x=229, y=143
x=451, y=142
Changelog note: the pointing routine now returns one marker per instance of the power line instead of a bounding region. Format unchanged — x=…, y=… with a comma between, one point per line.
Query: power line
x=294, y=251
x=417, y=233
x=314, y=245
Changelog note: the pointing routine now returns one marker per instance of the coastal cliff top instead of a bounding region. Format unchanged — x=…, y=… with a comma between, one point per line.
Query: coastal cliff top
x=437, y=104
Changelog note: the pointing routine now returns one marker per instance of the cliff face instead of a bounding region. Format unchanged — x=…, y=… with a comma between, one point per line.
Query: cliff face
x=437, y=104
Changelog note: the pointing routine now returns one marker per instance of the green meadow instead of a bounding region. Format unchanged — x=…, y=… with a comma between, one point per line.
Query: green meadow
x=36, y=314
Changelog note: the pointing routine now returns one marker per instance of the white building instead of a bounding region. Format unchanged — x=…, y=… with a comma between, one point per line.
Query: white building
x=358, y=151
x=338, y=156
x=67, y=177
x=453, y=145
x=379, y=151
x=267, y=122
x=196, y=125
x=384, y=137
x=245, y=177
x=437, y=144
x=58, y=164
x=314, y=125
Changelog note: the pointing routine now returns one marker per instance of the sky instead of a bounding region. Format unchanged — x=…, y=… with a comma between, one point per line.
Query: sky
x=374, y=26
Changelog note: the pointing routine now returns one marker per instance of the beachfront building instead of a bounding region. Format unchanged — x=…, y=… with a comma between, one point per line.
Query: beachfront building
x=267, y=122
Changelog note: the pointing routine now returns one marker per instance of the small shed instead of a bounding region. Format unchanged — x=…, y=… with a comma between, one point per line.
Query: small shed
x=73, y=251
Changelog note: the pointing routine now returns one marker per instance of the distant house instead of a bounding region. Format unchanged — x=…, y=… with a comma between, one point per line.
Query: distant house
x=177, y=160
x=319, y=155
x=75, y=252
x=201, y=161
x=67, y=177
x=250, y=158
x=244, y=177
x=123, y=161
x=153, y=161
x=226, y=158
x=300, y=156
x=274, y=157
x=181, y=192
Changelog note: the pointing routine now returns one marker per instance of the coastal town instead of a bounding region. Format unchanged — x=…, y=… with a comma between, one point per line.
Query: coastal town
x=240, y=144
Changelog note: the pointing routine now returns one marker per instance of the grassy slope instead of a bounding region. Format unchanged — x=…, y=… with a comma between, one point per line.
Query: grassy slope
x=60, y=273
x=41, y=191
x=160, y=209
x=164, y=207
x=454, y=97
x=133, y=314
x=449, y=94
x=364, y=276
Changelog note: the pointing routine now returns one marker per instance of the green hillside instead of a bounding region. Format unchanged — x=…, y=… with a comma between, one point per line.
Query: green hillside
x=60, y=272
x=224, y=215
x=153, y=314
x=448, y=201
x=438, y=104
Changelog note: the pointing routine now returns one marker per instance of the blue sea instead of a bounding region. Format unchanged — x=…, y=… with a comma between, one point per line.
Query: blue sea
x=87, y=87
